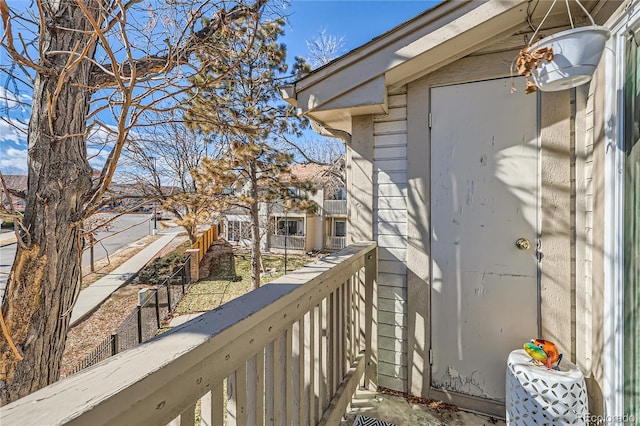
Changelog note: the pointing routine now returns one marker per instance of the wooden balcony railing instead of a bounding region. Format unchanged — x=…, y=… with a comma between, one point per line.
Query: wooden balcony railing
x=335, y=243
x=335, y=207
x=292, y=242
x=291, y=352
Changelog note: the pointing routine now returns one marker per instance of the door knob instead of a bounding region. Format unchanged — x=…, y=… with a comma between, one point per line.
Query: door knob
x=523, y=244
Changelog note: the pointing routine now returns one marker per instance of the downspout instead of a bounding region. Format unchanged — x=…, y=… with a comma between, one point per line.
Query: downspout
x=288, y=93
x=331, y=133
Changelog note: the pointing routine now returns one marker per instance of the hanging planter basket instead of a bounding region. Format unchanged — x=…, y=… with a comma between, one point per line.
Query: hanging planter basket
x=576, y=54
x=565, y=59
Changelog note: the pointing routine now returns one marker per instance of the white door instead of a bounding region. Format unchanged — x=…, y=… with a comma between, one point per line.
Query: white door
x=484, y=192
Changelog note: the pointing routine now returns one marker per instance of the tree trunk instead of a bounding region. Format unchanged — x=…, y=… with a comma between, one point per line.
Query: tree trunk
x=192, y=232
x=46, y=272
x=255, y=229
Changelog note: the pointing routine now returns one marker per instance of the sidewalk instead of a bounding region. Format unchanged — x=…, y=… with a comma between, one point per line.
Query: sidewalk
x=91, y=297
x=7, y=238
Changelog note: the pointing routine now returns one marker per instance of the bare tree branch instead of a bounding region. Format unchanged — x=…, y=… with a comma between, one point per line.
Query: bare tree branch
x=106, y=75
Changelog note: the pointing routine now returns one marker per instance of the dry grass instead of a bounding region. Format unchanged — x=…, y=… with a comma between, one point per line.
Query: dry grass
x=217, y=289
x=89, y=333
x=204, y=295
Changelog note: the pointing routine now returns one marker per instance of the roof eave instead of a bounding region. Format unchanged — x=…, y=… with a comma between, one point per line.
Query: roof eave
x=356, y=84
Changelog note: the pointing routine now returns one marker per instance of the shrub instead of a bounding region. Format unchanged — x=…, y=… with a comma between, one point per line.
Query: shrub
x=161, y=269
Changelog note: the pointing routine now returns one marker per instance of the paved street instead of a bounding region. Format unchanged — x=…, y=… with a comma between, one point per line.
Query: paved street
x=140, y=227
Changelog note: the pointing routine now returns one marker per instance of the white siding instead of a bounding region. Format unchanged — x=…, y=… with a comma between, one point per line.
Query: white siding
x=390, y=231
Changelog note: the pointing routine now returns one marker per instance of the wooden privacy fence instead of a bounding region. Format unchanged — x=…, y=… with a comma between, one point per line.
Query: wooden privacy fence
x=291, y=352
x=204, y=241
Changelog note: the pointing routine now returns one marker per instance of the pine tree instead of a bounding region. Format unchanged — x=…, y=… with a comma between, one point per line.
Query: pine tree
x=244, y=111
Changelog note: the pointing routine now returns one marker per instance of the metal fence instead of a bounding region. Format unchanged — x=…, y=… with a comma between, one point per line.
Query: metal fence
x=144, y=322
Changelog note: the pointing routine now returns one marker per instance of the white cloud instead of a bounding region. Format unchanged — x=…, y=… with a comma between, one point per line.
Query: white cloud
x=97, y=157
x=8, y=98
x=13, y=130
x=12, y=101
x=13, y=161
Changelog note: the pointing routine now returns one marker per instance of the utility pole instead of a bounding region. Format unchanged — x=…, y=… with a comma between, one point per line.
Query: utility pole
x=155, y=216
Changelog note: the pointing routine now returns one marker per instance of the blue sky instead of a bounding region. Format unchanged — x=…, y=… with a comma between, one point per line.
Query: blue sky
x=356, y=22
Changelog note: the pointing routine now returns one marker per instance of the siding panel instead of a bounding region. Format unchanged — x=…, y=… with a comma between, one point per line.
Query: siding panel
x=392, y=267
x=392, y=241
x=393, y=332
x=396, y=216
x=392, y=382
x=392, y=318
x=391, y=203
x=399, y=139
x=391, y=228
x=391, y=190
x=396, y=293
x=393, y=165
x=394, y=370
x=395, y=114
x=390, y=344
x=390, y=231
x=391, y=153
x=391, y=177
x=390, y=127
x=387, y=305
x=392, y=280
x=397, y=101
x=393, y=254
x=391, y=357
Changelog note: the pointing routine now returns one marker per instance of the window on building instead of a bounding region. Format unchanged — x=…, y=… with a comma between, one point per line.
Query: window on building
x=290, y=227
x=238, y=230
x=295, y=192
x=340, y=228
x=233, y=230
x=338, y=194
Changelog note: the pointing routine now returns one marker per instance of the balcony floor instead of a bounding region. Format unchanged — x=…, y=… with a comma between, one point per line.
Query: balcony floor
x=397, y=411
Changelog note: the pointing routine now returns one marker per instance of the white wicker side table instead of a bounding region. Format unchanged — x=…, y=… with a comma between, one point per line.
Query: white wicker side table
x=537, y=396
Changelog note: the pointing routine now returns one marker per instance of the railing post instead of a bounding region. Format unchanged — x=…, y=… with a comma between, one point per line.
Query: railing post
x=114, y=344
x=370, y=323
x=168, y=295
x=157, y=309
x=187, y=271
x=140, y=324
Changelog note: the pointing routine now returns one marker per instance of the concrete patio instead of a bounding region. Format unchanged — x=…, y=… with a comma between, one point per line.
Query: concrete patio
x=397, y=411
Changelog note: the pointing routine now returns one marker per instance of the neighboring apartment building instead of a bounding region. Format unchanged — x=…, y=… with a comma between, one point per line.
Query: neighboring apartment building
x=296, y=230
